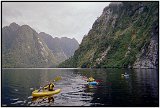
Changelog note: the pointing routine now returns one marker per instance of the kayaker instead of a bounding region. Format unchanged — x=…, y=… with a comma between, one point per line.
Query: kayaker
x=50, y=87
x=90, y=79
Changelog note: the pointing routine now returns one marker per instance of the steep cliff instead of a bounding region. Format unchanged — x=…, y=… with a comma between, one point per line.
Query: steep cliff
x=62, y=48
x=22, y=47
x=125, y=35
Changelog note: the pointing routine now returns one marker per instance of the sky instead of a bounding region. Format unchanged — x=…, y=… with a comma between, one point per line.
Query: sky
x=59, y=19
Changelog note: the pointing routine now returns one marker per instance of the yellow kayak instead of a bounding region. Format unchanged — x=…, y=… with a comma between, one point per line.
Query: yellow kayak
x=45, y=93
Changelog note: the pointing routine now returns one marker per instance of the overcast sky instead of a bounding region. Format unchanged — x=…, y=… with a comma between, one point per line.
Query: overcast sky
x=59, y=19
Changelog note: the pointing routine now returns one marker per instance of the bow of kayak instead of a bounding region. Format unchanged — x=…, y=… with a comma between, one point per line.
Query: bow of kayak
x=45, y=93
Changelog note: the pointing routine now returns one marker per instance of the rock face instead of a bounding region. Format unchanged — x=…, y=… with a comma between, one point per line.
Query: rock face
x=62, y=48
x=22, y=47
x=125, y=35
x=149, y=55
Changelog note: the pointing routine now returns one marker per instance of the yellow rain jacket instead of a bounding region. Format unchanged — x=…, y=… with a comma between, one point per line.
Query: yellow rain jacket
x=91, y=79
x=49, y=87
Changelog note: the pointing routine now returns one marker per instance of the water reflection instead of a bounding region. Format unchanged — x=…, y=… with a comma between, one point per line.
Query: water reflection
x=44, y=78
x=140, y=88
x=147, y=79
x=42, y=101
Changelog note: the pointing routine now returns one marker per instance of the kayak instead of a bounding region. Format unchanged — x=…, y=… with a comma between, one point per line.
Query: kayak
x=92, y=86
x=45, y=93
x=92, y=83
x=125, y=75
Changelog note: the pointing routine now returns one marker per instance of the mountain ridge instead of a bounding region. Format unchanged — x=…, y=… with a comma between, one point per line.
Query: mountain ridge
x=22, y=46
x=62, y=48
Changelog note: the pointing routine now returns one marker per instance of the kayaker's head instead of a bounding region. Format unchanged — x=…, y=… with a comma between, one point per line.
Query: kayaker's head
x=51, y=83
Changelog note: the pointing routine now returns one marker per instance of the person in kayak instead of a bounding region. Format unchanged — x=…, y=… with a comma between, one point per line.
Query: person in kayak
x=50, y=87
x=90, y=79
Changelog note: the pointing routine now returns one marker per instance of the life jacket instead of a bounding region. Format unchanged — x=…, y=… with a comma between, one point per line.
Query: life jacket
x=51, y=86
x=90, y=79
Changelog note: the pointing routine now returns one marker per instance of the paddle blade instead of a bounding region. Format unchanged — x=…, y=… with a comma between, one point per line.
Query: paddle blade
x=57, y=78
x=35, y=91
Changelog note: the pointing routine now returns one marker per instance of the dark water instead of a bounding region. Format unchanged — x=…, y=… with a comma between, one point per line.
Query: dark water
x=139, y=89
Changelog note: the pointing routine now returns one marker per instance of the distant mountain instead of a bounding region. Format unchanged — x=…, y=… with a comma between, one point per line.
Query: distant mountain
x=62, y=48
x=23, y=47
x=125, y=35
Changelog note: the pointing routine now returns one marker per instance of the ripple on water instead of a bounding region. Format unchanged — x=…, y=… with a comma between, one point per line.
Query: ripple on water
x=15, y=89
x=15, y=99
x=30, y=97
x=77, y=95
x=29, y=103
x=17, y=102
x=24, y=101
x=42, y=101
x=31, y=88
x=4, y=105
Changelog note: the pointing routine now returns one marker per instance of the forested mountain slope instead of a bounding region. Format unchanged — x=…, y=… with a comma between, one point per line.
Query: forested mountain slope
x=23, y=47
x=125, y=35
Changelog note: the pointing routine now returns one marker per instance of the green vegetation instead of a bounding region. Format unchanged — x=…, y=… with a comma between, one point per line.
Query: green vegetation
x=125, y=28
x=22, y=47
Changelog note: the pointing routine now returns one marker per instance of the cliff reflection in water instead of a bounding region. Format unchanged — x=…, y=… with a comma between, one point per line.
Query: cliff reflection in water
x=148, y=81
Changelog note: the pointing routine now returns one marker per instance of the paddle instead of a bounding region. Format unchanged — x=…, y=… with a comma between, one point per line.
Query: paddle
x=57, y=78
x=54, y=80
